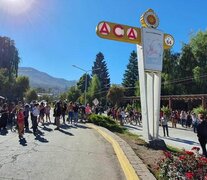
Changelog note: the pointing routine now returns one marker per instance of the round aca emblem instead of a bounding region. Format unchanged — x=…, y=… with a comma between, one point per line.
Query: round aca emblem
x=149, y=19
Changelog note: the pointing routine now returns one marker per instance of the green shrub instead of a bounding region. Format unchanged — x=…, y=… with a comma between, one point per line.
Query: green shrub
x=166, y=110
x=200, y=110
x=106, y=122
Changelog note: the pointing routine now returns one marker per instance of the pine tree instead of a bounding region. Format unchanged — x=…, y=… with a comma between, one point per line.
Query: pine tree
x=100, y=69
x=131, y=75
x=81, y=84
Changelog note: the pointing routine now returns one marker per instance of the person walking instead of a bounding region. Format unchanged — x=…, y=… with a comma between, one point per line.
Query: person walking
x=70, y=112
x=75, y=113
x=164, y=123
x=63, y=110
x=26, y=116
x=20, y=123
x=57, y=114
x=42, y=113
x=35, y=114
x=4, y=116
x=194, y=122
x=202, y=133
x=47, y=112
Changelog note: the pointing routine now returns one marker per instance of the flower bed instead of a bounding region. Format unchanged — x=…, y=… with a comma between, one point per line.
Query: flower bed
x=187, y=165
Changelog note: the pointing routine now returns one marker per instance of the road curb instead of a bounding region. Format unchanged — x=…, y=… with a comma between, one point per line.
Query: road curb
x=133, y=166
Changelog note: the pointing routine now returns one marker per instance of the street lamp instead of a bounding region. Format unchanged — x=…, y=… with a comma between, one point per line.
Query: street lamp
x=86, y=79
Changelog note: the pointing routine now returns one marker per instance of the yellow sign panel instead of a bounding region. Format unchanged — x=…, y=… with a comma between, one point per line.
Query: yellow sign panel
x=119, y=32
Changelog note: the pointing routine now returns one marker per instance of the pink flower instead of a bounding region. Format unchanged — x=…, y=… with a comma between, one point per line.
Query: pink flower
x=189, y=175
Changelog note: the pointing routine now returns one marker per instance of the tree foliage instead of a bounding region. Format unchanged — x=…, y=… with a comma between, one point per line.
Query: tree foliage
x=31, y=95
x=9, y=57
x=81, y=84
x=94, y=89
x=101, y=71
x=73, y=94
x=131, y=75
x=115, y=95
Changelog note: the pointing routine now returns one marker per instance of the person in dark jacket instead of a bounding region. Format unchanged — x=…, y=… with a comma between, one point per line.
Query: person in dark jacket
x=4, y=116
x=202, y=133
x=57, y=114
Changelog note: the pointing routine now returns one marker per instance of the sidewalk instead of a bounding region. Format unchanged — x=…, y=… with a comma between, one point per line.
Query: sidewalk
x=180, y=137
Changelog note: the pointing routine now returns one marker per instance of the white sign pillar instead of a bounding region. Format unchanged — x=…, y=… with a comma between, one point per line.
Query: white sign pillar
x=150, y=45
x=150, y=56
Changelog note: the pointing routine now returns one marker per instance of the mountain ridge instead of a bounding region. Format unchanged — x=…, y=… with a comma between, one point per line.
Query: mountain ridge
x=39, y=79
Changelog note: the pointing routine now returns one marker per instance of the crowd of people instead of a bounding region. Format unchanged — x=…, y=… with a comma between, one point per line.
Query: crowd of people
x=16, y=116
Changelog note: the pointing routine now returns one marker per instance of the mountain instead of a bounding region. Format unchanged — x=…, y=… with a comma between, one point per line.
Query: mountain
x=43, y=80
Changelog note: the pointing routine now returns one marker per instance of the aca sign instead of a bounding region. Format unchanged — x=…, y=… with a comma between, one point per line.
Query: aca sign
x=119, y=32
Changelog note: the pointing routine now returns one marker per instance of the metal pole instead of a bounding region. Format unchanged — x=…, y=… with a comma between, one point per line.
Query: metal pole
x=86, y=78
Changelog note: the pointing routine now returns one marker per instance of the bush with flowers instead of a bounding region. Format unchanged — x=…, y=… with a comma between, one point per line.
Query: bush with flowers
x=186, y=165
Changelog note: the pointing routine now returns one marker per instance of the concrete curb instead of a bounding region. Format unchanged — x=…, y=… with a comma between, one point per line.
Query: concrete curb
x=139, y=167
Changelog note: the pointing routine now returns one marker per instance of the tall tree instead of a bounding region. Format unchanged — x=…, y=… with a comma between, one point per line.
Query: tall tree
x=31, y=95
x=94, y=89
x=170, y=72
x=81, y=84
x=100, y=69
x=198, y=44
x=73, y=94
x=131, y=75
x=22, y=85
x=115, y=95
x=9, y=57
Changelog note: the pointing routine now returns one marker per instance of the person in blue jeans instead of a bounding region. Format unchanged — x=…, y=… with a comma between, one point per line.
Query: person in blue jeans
x=70, y=112
x=164, y=121
x=75, y=113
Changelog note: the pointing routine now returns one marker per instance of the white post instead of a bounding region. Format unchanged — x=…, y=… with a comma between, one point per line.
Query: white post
x=157, y=92
x=150, y=102
x=143, y=93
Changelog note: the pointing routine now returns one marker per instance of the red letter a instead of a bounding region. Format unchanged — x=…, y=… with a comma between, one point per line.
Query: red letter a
x=104, y=29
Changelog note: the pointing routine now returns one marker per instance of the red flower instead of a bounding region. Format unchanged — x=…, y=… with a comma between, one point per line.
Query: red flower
x=189, y=175
x=203, y=159
x=195, y=148
x=167, y=154
x=189, y=153
x=182, y=157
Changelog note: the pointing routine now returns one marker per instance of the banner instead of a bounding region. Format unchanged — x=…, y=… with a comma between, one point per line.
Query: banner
x=152, y=42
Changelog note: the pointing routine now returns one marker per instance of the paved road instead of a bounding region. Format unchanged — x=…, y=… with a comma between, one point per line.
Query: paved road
x=71, y=153
x=180, y=137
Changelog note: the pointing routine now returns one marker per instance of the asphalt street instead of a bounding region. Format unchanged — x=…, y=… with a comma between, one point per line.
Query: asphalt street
x=180, y=137
x=73, y=153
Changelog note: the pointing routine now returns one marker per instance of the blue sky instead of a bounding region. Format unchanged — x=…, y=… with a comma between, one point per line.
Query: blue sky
x=53, y=35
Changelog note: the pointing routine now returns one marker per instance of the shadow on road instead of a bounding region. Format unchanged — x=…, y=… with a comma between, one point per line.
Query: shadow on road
x=40, y=133
x=41, y=139
x=3, y=132
x=23, y=142
x=133, y=127
x=47, y=129
x=66, y=132
x=183, y=141
x=183, y=129
x=82, y=126
x=65, y=126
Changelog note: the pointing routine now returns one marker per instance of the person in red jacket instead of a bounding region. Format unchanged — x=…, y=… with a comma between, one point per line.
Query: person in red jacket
x=20, y=123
